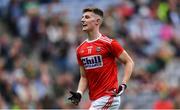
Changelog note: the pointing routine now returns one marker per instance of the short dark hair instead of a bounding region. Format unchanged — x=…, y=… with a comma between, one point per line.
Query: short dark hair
x=96, y=11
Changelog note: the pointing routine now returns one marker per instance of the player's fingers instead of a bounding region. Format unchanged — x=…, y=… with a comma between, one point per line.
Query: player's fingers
x=120, y=93
x=74, y=102
x=71, y=98
x=72, y=92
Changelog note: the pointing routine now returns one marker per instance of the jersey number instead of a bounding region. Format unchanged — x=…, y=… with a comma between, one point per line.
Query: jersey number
x=89, y=51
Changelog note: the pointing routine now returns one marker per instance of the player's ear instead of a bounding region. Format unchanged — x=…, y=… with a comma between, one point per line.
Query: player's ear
x=98, y=21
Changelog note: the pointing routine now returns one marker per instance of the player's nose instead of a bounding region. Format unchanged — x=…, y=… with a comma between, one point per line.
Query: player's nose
x=82, y=20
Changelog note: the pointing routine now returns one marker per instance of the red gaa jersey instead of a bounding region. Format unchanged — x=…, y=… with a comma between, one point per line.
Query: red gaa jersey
x=98, y=59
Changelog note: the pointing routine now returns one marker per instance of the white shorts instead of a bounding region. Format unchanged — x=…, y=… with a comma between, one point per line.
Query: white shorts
x=106, y=102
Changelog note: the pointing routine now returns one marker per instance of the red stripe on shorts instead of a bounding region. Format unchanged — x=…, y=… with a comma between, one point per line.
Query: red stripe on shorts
x=109, y=103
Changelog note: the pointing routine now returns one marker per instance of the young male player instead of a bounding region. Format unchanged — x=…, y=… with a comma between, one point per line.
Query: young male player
x=97, y=59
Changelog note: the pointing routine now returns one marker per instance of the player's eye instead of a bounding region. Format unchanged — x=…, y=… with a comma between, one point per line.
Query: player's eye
x=87, y=16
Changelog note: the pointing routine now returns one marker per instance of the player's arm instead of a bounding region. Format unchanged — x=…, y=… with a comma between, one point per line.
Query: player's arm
x=123, y=56
x=83, y=81
x=129, y=65
x=82, y=86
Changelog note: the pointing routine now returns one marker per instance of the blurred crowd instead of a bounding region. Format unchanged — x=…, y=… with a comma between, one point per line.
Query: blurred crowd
x=38, y=40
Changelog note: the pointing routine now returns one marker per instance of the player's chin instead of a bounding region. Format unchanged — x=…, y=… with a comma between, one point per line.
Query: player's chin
x=85, y=29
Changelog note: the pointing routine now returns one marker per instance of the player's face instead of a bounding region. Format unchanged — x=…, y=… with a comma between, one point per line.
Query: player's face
x=89, y=21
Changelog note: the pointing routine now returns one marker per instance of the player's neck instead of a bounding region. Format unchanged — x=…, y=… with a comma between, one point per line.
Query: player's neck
x=93, y=35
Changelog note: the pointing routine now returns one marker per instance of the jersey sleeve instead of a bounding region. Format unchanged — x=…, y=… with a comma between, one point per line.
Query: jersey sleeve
x=78, y=58
x=116, y=48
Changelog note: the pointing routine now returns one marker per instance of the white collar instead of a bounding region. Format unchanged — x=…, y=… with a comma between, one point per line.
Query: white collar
x=94, y=39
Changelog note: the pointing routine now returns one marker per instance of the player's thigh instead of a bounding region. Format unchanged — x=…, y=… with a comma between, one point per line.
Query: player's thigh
x=116, y=103
x=101, y=102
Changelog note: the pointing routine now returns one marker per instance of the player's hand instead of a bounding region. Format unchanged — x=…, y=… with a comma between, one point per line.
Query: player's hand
x=121, y=89
x=75, y=98
x=118, y=92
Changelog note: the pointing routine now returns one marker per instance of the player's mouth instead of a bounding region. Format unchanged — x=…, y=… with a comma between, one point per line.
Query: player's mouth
x=84, y=25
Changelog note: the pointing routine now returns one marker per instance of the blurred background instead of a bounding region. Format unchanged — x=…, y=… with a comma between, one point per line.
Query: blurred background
x=38, y=39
